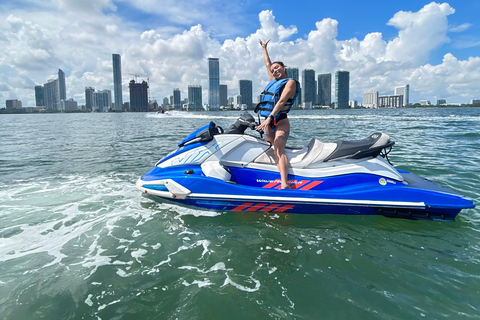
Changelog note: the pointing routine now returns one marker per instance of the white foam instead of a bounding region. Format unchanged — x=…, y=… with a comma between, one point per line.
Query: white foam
x=229, y=281
x=64, y=210
x=192, y=115
x=220, y=266
x=138, y=254
x=200, y=284
x=182, y=211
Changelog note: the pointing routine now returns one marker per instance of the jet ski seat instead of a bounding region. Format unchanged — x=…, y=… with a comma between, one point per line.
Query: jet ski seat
x=357, y=149
x=314, y=151
x=317, y=151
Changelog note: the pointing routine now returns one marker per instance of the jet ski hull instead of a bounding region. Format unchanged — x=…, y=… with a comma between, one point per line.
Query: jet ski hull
x=419, y=199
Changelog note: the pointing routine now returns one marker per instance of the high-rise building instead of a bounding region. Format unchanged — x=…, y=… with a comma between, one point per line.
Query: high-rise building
x=324, y=89
x=102, y=100
x=89, y=98
x=342, y=89
x=395, y=101
x=195, y=97
x=13, y=104
x=223, y=95
x=69, y=105
x=62, y=89
x=177, y=100
x=39, y=96
x=214, y=83
x=117, y=82
x=52, y=95
x=166, y=101
x=293, y=73
x=405, y=92
x=237, y=101
x=370, y=99
x=246, y=92
x=309, y=91
x=138, y=96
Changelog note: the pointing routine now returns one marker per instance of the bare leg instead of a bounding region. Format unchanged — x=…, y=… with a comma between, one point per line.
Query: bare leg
x=280, y=142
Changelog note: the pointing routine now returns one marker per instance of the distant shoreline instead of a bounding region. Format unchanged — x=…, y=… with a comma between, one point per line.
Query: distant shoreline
x=24, y=111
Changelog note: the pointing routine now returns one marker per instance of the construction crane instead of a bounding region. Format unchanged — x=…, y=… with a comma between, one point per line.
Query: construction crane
x=135, y=75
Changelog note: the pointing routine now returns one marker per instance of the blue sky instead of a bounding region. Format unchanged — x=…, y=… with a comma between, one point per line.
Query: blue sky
x=356, y=19
x=433, y=46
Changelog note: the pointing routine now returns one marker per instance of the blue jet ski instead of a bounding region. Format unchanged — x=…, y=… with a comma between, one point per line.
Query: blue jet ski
x=234, y=171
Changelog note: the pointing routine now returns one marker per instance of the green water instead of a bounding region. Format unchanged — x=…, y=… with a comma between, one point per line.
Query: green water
x=78, y=241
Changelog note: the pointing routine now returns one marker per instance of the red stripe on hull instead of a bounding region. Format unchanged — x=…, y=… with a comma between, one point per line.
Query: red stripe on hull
x=256, y=207
x=284, y=208
x=311, y=185
x=242, y=207
x=271, y=184
x=271, y=207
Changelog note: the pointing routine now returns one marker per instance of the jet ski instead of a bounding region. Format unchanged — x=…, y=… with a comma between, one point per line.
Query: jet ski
x=234, y=171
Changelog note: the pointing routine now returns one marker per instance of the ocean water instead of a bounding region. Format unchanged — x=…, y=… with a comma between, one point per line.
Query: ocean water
x=78, y=241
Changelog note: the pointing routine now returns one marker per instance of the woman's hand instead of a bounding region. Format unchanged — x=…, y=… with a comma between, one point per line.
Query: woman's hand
x=263, y=125
x=264, y=43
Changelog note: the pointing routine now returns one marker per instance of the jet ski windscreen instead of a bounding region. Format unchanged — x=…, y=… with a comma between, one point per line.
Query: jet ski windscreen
x=205, y=133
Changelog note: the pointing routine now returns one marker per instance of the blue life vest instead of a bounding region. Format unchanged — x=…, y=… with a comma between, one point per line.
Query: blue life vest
x=271, y=95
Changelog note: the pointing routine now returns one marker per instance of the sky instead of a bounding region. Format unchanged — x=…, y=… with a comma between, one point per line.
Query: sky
x=432, y=46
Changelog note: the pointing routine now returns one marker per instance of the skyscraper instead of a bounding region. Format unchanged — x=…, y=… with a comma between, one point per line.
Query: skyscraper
x=325, y=89
x=117, y=82
x=214, y=83
x=195, y=97
x=52, y=95
x=89, y=98
x=309, y=91
x=61, y=85
x=39, y=96
x=246, y=92
x=138, y=96
x=342, y=89
x=102, y=100
x=405, y=92
x=223, y=95
x=177, y=100
x=293, y=73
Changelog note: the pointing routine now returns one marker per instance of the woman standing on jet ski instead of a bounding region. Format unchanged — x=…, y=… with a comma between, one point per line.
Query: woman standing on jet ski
x=277, y=99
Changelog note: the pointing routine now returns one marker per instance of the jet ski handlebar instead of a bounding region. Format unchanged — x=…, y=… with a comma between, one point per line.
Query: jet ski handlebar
x=243, y=122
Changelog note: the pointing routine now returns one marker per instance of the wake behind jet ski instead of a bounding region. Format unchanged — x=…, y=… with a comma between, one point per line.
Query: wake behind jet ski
x=234, y=171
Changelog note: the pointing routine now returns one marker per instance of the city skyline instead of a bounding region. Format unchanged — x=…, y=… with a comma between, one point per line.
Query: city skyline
x=432, y=46
x=319, y=93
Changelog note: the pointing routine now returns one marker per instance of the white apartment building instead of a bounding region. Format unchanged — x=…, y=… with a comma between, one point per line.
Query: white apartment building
x=370, y=99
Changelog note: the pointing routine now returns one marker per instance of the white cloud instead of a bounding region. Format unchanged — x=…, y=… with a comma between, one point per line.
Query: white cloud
x=460, y=28
x=420, y=33
x=81, y=42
